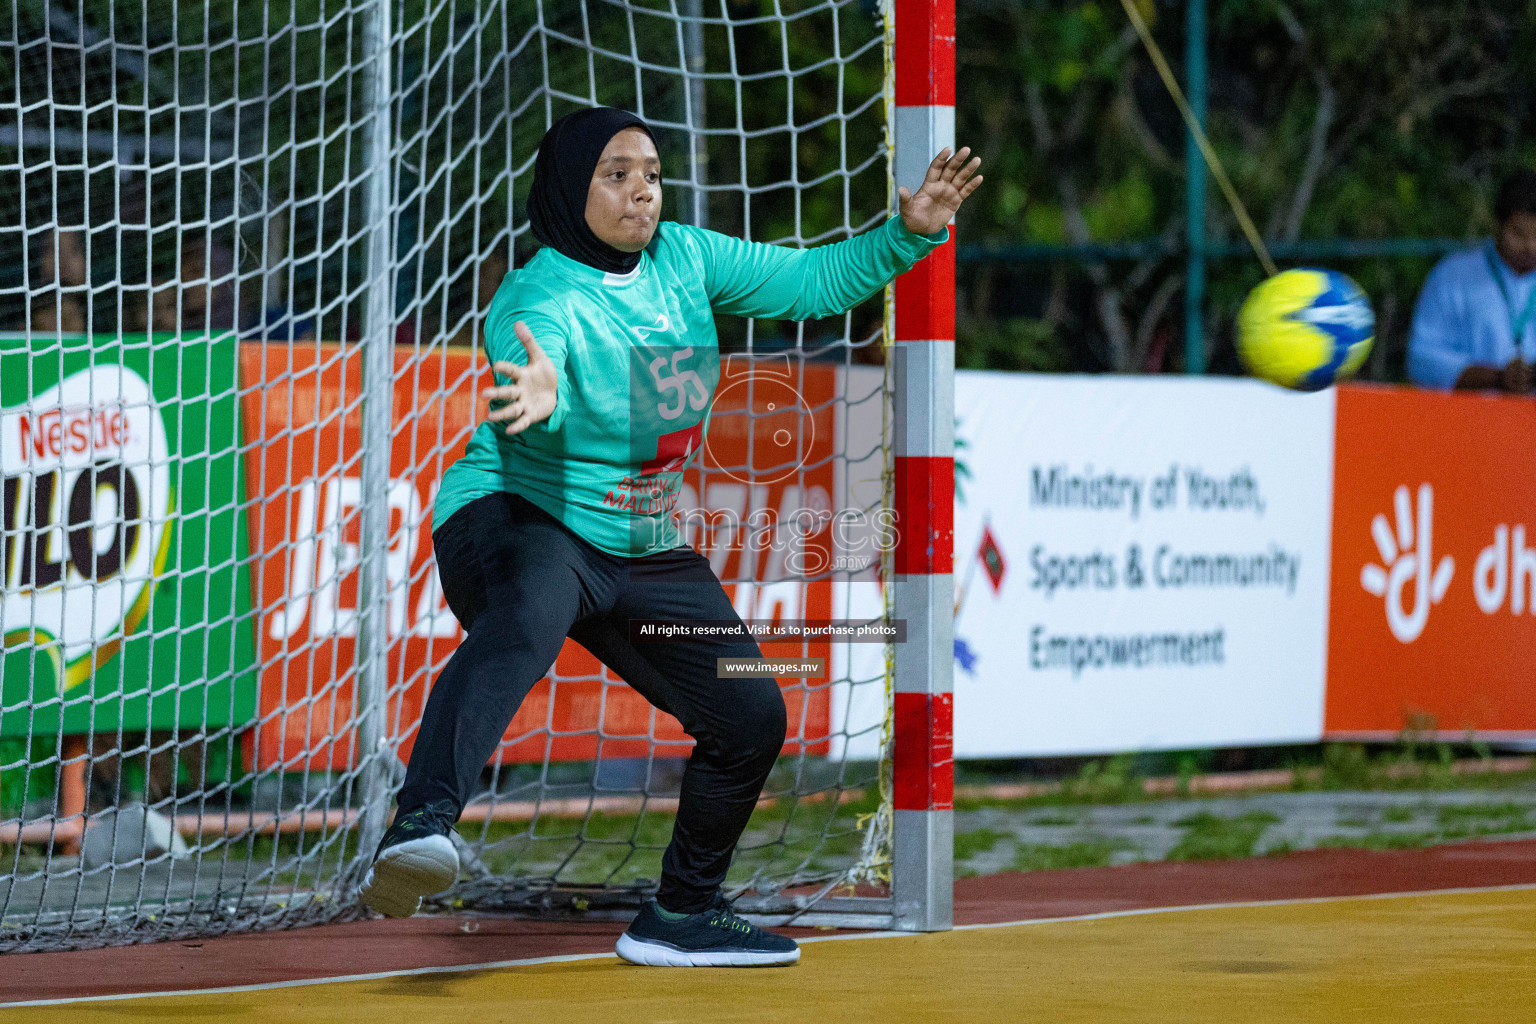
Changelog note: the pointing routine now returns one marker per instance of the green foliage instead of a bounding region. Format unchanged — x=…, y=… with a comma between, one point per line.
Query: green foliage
x=1410, y=764
x=1113, y=780
x=1055, y=818
x=1379, y=841
x=1095, y=853
x=1215, y=837
x=982, y=840
x=1189, y=766
x=1387, y=118
x=1463, y=821
x=1109, y=781
x=1360, y=120
x=1016, y=343
x=1457, y=813
x=1346, y=766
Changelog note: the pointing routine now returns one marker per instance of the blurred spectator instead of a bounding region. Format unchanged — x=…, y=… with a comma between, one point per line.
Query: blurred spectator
x=204, y=284
x=58, y=294
x=1475, y=323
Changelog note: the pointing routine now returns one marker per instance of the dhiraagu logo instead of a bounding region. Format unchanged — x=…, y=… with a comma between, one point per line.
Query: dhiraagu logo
x=1408, y=561
x=85, y=507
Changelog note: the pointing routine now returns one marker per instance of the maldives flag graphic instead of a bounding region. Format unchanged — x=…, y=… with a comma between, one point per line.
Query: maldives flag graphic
x=672, y=450
x=992, y=559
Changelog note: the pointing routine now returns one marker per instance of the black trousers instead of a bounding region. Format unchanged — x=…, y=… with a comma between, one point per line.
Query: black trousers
x=519, y=581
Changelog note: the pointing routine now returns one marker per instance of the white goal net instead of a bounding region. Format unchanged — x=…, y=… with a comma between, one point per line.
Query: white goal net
x=245, y=249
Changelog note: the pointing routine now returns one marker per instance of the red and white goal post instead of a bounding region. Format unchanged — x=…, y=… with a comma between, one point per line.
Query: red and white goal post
x=922, y=875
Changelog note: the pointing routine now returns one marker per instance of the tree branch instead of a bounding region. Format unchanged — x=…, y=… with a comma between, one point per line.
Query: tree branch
x=1116, y=331
x=1130, y=113
x=1039, y=120
x=1156, y=307
x=1317, y=144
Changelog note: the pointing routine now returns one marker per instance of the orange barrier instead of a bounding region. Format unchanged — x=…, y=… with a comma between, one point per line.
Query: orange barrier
x=1432, y=611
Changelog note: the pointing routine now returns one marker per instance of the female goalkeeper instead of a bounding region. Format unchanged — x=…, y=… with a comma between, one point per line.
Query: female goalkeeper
x=556, y=522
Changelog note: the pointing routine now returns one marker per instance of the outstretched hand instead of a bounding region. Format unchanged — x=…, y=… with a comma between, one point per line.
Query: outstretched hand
x=530, y=397
x=950, y=180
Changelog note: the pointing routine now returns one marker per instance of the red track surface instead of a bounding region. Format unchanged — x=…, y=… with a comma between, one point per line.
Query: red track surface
x=376, y=946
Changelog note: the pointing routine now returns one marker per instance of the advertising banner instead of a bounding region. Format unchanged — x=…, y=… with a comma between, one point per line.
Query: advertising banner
x=1140, y=564
x=125, y=599
x=302, y=409
x=1433, y=601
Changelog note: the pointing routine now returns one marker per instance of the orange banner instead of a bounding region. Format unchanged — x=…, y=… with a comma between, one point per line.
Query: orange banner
x=1432, y=616
x=301, y=408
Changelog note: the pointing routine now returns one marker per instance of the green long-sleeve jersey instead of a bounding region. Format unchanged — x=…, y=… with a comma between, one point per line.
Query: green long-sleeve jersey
x=637, y=362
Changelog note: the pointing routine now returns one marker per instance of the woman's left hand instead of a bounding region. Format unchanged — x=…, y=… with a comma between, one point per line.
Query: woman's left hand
x=949, y=182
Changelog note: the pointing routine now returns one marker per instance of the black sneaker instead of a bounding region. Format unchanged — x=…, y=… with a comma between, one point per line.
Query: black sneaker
x=715, y=937
x=414, y=859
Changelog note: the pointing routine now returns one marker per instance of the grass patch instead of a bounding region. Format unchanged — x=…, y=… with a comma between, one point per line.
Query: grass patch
x=1054, y=818
x=1398, y=815
x=1494, y=829
x=617, y=849
x=1094, y=853
x=1456, y=814
x=1111, y=781
x=982, y=840
x=1105, y=782
x=1467, y=821
x=1380, y=841
x=1412, y=764
x=1214, y=837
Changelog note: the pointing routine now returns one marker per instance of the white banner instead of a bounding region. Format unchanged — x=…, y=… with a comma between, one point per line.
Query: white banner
x=1140, y=563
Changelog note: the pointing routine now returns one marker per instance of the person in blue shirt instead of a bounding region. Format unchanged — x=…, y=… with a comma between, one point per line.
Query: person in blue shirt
x=1475, y=323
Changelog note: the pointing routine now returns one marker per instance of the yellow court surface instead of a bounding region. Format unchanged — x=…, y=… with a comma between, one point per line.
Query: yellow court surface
x=1465, y=955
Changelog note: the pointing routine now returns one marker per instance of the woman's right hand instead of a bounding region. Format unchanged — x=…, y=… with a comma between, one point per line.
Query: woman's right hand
x=530, y=398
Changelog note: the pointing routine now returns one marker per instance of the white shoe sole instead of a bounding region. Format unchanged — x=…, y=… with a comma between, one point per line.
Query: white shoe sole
x=406, y=872
x=651, y=954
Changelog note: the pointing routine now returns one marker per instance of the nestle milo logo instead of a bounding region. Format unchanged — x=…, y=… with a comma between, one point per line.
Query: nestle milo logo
x=52, y=433
x=85, y=503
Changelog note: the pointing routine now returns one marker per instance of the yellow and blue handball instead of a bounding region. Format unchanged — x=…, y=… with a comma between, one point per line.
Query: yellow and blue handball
x=1305, y=329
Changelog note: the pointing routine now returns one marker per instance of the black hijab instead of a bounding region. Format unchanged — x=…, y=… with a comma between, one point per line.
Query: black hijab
x=562, y=176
